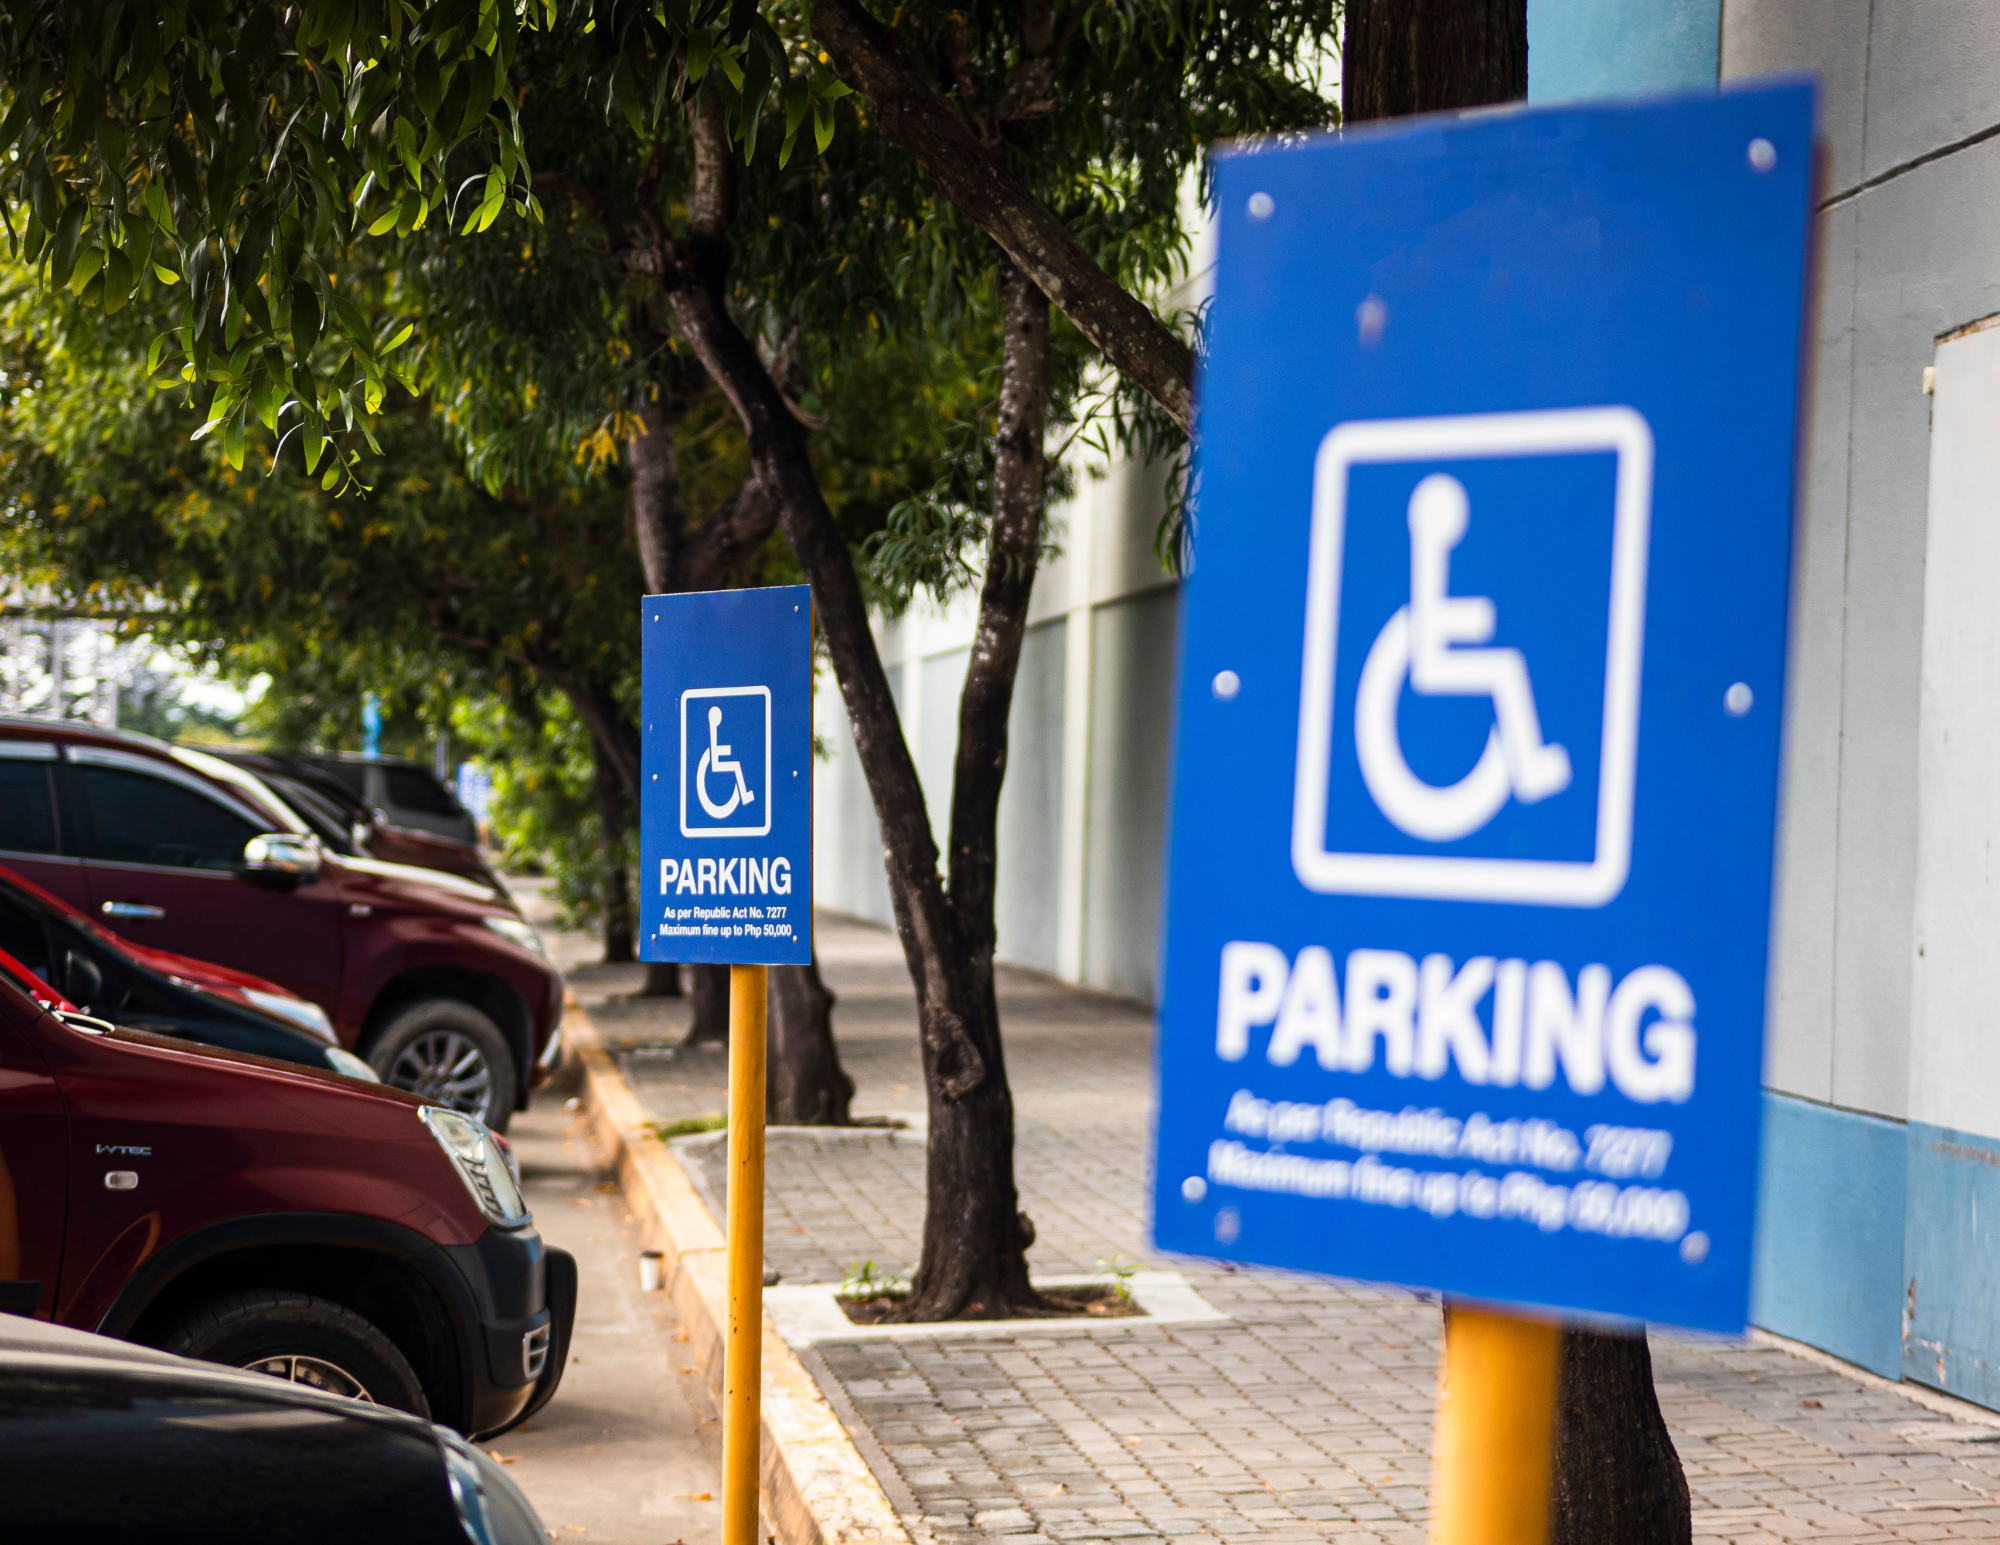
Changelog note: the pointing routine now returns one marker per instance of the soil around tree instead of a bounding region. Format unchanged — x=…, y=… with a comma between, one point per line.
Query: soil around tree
x=1093, y=1301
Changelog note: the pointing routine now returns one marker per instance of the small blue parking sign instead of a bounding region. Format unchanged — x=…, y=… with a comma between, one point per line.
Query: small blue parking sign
x=1480, y=705
x=725, y=840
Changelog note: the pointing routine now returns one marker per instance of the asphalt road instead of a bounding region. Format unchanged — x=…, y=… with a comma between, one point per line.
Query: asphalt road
x=629, y=1451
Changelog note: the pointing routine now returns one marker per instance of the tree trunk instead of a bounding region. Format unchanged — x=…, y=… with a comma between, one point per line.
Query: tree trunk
x=654, y=463
x=987, y=1269
x=663, y=980
x=711, y=1006
x=1430, y=56
x=617, y=893
x=1617, y=1479
x=972, y=1140
x=805, y=1086
x=914, y=114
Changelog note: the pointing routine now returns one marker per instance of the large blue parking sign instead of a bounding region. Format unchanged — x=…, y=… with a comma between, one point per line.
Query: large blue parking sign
x=1482, y=680
x=725, y=839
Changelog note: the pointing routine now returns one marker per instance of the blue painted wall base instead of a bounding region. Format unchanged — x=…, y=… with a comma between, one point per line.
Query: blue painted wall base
x=1951, y=1247
x=1830, y=1231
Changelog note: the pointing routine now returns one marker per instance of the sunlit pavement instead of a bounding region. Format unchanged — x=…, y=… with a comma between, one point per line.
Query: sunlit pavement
x=629, y=1449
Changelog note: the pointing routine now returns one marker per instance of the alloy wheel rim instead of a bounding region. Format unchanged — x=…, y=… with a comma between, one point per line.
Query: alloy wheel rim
x=447, y=1068
x=314, y=1373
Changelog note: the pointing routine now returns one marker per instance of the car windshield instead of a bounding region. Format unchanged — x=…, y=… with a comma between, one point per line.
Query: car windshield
x=321, y=814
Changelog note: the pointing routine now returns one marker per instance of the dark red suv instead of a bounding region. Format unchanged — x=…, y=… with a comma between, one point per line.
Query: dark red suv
x=271, y=1217
x=433, y=978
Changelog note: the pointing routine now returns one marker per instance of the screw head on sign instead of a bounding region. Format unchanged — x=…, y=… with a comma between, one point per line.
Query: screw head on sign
x=1370, y=317
x=1763, y=155
x=1193, y=1189
x=1226, y=685
x=1738, y=699
x=1261, y=206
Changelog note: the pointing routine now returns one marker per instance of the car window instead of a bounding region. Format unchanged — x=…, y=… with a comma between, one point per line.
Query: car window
x=350, y=775
x=413, y=789
x=317, y=811
x=27, y=807
x=146, y=820
x=22, y=935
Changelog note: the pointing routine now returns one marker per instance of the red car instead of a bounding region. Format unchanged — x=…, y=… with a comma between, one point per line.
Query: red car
x=267, y=1216
x=434, y=979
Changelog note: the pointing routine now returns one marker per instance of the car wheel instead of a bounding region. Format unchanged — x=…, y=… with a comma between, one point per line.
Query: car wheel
x=449, y=1052
x=304, y=1340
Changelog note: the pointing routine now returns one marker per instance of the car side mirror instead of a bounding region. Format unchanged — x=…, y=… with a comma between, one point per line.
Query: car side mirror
x=83, y=983
x=281, y=857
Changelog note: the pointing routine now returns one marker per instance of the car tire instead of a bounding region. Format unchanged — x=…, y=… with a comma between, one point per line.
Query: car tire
x=305, y=1340
x=449, y=1052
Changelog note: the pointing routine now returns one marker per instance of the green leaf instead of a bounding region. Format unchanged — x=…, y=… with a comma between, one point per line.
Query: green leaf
x=332, y=477
x=158, y=207
x=822, y=125
x=399, y=340
x=165, y=275
x=305, y=318
x=232, y=438
x=88, y=260
x=117, y=280
x=62, y=251
x=10, y=127
x=387, y=221
x=315, y=443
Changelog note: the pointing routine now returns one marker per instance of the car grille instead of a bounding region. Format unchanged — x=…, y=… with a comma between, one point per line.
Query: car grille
x=535, y=1350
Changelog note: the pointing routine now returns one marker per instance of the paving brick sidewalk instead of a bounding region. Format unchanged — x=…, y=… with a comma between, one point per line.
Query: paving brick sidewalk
x=1304, y=1416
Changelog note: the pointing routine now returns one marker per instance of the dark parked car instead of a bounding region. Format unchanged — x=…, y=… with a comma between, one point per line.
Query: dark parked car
x=105, y=1442
x=434, y=979
x=64, y=959
x=267, y=1216
x=407, y=793
x=347, y=825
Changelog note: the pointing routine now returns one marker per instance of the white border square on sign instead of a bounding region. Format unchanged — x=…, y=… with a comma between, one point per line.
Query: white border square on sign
x=1543, y=882
x=726, y=831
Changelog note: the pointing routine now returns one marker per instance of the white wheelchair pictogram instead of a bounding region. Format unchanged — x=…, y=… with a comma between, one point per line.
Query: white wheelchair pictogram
x=1433, y=643
x=717, y=759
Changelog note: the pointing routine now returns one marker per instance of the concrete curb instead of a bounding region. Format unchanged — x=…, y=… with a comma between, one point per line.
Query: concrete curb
x=815, y=1487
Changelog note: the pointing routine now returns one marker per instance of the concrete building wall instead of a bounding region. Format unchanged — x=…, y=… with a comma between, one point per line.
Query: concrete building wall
x=1880, y=1137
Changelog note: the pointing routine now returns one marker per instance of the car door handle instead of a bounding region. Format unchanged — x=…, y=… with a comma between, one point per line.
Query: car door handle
x=137, y=909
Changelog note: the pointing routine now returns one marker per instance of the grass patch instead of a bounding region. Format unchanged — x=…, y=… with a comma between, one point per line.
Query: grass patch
x=690, y=1126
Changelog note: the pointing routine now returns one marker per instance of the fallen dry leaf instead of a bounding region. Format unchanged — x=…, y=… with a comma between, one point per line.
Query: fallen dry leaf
x=608, y=1187
x=1060, y=1489
x=693, y=1496
x=1135, y=1440
x=499, y=1458
x=576, y=1528
x=680, y=1335
x=1812, y=1405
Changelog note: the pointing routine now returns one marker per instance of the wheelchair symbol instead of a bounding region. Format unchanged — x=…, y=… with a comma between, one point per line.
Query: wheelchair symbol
x=1432, y=643
x=726, y=784
x=717, y=759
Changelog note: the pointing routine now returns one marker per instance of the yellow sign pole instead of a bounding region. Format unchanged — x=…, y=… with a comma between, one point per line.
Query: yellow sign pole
x=1496, y=1428
x=742, y=1359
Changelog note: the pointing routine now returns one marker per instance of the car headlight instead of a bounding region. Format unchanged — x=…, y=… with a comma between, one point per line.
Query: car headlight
x=479, y=1162
x=515, y=931
x=490, y=1506
x=346, y=1062
x=307, y=1016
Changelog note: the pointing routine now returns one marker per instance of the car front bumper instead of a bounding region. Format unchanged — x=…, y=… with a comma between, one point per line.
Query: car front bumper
x=516, y=1327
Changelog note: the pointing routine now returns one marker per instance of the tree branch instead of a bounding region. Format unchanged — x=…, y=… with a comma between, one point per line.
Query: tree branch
x=914, y=115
